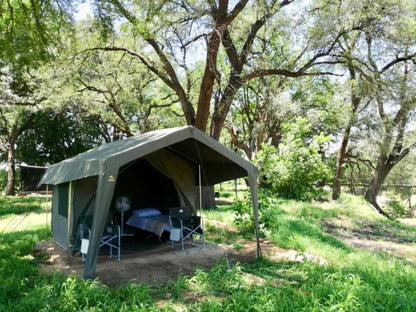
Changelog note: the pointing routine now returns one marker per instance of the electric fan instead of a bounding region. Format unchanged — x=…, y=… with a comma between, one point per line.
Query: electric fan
x=122, y=204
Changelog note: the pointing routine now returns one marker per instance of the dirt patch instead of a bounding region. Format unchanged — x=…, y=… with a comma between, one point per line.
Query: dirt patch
x=160, y=264
x=373, y=237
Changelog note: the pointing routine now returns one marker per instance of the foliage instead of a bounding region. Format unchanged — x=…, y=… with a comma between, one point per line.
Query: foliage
x=396, y=209
x=320, y=100
x=258, y=114
x=244, y=221
x=29, y=29
x=15, y=111
x=56, y=136
x=30, y=35
x=111, y=88
x=3, y=180
x=295, y=169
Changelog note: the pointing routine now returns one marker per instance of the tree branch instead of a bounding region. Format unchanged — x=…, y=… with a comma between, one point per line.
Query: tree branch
x=397, y=60
x=140, y=56
x=282, y=72
x=235, y=11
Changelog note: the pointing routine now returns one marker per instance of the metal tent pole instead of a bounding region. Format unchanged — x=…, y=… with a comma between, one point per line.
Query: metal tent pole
x=69, y=213
x=200, y=190
x=46, y=214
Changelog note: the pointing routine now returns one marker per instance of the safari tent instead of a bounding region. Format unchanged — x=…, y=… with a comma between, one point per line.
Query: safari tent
x=162, y=169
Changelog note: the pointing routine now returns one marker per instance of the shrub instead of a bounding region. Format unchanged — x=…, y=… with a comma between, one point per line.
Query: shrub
x=3, y=180
x=295, y=169
x=244, y=220
x=396, y=209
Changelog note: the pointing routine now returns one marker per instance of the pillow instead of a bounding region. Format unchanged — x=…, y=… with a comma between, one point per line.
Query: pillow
x=146, y=212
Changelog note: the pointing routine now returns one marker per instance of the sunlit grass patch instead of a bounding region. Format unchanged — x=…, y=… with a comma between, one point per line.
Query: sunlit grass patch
x=223, y=213
x=10, y=205
x=20, y=222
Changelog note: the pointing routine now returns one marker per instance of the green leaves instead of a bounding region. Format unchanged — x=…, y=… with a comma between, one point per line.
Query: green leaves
x=29, y=29
x=295, y=169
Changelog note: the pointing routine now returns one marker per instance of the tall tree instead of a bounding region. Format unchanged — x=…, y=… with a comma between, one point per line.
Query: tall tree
x=28, y=31
x=14, y=119
x=170, y=36
x=396, y=106
x=366, y=64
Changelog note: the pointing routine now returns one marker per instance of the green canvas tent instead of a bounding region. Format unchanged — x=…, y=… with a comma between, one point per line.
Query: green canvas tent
x=161, y=169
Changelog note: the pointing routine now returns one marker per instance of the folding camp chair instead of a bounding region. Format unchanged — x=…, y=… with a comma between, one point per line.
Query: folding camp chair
x=111, y=238
x=184, y=225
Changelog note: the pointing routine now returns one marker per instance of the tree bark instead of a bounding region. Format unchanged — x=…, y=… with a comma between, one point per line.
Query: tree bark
x=222, y=20
x=11, y=171
x=381, y=172
x=355, y=101
x=221, y=110
x=336, y=189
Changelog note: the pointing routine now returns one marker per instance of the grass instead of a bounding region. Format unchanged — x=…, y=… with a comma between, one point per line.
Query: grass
x=22, y=205
x=353, y=280
x=20, y=212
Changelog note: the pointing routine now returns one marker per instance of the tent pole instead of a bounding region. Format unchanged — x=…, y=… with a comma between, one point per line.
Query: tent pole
x=69, y=213
x=46, y=214
x=200, y=190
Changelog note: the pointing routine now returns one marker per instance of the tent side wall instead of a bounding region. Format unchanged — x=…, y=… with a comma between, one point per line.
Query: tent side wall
x=60, y=214
x=80, y=195
x=83, y=200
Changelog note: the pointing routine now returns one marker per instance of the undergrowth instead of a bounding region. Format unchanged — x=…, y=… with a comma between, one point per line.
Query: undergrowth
x=352, y=280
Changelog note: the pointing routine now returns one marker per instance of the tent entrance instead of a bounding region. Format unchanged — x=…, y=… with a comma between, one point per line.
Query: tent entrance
x=146, y=187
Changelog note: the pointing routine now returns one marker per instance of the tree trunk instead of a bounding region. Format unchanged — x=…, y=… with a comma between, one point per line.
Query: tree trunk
x=11, y=171
x=210, y=72
x=336, y=189
x=355, y=101
x=381, y=172
x=223, y=107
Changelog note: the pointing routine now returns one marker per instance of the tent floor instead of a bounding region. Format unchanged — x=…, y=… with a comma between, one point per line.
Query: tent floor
x=138, y=242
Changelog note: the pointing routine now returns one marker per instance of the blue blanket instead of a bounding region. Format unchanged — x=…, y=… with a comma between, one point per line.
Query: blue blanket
x=155, y=224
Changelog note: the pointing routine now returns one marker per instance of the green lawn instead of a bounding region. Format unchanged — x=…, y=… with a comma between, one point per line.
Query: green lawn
x=353, y=279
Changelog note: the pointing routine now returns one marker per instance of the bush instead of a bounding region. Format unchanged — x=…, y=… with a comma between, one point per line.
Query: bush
x=396, y=209
x=295, y=169
x=3, y=180
x=244, y=220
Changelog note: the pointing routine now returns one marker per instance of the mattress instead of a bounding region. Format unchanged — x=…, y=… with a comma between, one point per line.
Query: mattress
x=155, y=224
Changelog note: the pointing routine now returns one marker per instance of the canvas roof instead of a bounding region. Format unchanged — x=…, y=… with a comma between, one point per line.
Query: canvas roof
x=218, y=162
